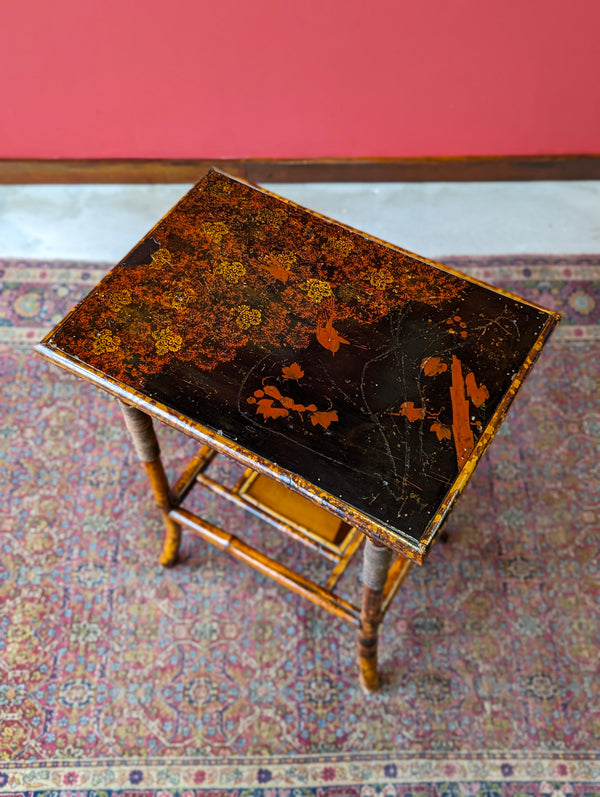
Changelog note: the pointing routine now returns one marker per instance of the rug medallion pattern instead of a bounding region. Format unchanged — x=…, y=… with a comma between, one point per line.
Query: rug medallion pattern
x=117, y=675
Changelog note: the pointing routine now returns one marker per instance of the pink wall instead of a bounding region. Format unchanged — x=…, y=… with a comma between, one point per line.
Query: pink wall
x=281, y=78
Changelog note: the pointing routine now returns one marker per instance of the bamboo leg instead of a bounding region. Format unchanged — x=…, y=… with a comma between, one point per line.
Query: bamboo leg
x=376, y=565
x=144, y=439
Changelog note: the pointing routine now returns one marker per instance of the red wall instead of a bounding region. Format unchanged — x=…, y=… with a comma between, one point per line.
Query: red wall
x=281, y=78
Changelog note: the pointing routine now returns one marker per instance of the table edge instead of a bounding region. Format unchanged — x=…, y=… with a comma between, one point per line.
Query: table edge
x=404, y=545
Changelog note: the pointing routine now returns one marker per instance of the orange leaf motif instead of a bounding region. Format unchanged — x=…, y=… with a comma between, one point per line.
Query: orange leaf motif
x=292, y=371
x=324, y=418
x=273, y=391
x=285, y=401
x=411, y=412
x=477, y=394
x=278, y=272
x=328, y=337
x=266, y=408
x=432, y=366
x=441, y=431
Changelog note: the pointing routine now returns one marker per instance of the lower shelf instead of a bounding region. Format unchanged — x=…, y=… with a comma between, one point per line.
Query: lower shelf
x=278, y=500
x=296, y=517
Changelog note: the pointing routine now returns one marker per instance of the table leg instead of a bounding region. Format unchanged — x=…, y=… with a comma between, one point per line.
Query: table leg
x=140, y=427
x=376, y=565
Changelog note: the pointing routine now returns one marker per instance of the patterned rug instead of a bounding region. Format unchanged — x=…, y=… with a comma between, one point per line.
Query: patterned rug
x=120, y=677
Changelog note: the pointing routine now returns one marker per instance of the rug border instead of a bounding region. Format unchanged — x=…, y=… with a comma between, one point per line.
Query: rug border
x=307, y=771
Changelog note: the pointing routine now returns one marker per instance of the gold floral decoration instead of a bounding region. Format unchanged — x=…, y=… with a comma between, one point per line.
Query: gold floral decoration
x=317, y=290
x=247, y=317
x=106, y=342
x=118, y=299
x=166, y=340
x=285, y=259
x=274, y=217
x=231, y=271
x=161, y=258
x=338, y=246
x=379, y=278
x=215, y=230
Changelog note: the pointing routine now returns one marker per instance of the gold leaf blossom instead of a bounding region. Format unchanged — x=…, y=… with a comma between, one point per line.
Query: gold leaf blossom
x=338, y=246
x=231, y=271
x=106, y=342
x=118, y=299
x=247, y=317
x=317, y=290
x=161, y=258
x=286, y=259
x=166, y=340
x=274, y=217
x=215, y=230
x=379, y=278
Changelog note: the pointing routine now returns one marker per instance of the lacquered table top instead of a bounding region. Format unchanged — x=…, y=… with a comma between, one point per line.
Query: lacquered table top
x=362, y=375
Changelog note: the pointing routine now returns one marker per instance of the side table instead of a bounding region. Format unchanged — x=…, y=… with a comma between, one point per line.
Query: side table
x=359, y=384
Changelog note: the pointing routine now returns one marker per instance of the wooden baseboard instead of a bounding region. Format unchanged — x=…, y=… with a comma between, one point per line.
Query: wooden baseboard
x=475, y=169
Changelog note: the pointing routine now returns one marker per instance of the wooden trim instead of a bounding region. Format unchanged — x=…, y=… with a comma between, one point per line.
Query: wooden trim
x=457, y=169
x=267, y=566
x=277, y=522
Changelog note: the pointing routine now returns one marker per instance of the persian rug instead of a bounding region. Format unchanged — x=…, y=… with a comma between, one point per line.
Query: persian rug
x=120, y=677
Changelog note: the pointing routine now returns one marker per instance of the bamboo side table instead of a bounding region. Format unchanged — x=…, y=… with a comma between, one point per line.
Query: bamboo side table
x=359, y=384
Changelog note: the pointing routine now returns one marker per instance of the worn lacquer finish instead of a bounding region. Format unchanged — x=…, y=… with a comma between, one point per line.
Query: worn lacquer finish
x=363, y=376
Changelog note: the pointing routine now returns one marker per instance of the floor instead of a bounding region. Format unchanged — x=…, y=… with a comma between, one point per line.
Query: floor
x=102, y=222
